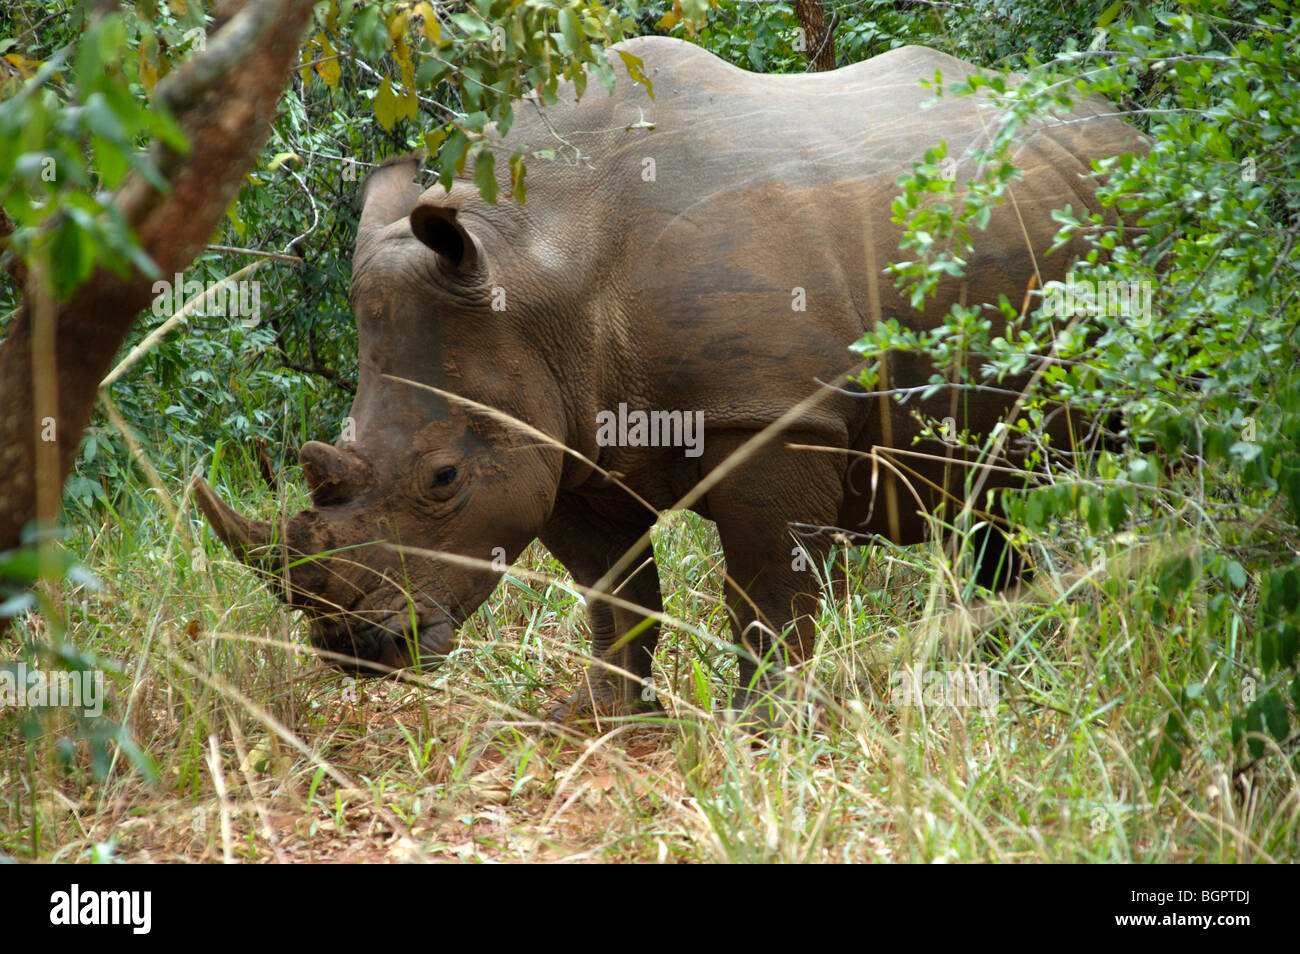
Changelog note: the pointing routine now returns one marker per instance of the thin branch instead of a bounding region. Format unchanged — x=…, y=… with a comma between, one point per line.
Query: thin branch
x=315, y=212
x=278, y=256
x=155, y=336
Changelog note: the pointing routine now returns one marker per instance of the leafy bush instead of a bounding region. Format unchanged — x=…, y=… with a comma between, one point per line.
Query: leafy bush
x=1208, y=383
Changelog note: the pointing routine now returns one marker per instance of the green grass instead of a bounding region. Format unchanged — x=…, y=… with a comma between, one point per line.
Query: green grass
x=216, y=684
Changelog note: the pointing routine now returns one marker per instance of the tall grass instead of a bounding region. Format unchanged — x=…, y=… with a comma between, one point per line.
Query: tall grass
x=264, y=754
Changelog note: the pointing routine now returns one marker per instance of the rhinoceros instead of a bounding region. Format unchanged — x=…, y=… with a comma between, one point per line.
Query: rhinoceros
x=682, y=284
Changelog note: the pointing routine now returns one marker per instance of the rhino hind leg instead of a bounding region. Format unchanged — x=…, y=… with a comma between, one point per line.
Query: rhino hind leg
x=589, y=544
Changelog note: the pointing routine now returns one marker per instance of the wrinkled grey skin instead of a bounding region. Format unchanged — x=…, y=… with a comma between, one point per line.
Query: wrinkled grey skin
x=661, y=271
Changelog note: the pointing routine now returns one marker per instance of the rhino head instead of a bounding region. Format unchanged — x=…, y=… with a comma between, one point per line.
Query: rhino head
x=451, y=450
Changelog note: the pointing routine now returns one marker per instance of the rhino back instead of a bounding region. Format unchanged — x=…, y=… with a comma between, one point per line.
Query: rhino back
x=727, y=237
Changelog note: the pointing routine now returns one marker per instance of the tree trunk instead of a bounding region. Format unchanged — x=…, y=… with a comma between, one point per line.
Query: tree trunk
x=817, y=34
x=57, y=352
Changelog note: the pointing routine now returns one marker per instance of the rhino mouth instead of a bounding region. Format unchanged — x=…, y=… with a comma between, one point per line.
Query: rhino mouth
x=376, y=648
x=378, y=632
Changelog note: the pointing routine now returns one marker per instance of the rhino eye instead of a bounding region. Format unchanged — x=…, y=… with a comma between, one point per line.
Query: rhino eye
x=439, y=480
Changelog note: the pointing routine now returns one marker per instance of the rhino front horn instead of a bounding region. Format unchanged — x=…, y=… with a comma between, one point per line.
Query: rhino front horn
x=244, y=537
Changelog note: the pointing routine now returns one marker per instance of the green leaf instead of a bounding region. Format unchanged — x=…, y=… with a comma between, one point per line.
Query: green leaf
x=1267, y=715
x=571, y=29
x=1282, y=592
x=24, y=564
x=471, y=87
x=485, y=175
x=371, y=33
x=1245, y=450
x=1288, y=644
x=1140, y=471
x=111, y=160
x=432, y=71
x=72, y=255
x=1290, y=481
x=102, y=120
x=1090, y=508
x=1175, y=577
x=1109, y=14
x=472, y=26
x=1116, y=509
x=1267, y=648
x=695, y=12
x=1275, y=716
x=1168, y=755
x=451, y=157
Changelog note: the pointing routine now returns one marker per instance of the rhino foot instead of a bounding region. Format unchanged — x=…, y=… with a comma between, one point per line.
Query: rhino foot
x=603, y=695
x=770, y=705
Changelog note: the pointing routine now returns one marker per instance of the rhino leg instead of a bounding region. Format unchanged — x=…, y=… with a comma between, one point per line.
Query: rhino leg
x=588, y=543
x=774, y=537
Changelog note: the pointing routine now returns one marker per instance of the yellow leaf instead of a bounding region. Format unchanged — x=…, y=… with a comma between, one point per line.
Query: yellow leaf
x=402, y=53
x=385, y=105
x=429, y=25
x=24, y=66
x=179, y=7
x=148, y=73
x=408, y=106
x=635, y=70
x=308, y=53
x=328, y=67
x=232, y=213
x=281, y=158
x=433, y=140
x=671, y=18
x=397, y=24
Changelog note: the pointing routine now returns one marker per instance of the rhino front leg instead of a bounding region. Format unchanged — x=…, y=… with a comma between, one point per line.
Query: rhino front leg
x=775, y=515
x=588, y=543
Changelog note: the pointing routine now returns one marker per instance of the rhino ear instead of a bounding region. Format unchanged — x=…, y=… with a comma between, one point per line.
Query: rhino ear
x=389, y=193
x=439, y=227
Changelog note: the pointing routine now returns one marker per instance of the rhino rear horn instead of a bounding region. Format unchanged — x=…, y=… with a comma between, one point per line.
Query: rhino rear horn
x=332, y=475
x=249, y=540
x=439, y=227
